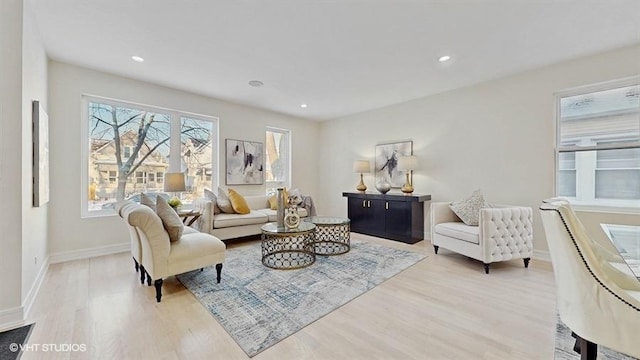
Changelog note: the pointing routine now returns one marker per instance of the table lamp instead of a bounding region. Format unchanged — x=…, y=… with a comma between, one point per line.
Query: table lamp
x=407, y=164
x=174, y=182
x=361, y=166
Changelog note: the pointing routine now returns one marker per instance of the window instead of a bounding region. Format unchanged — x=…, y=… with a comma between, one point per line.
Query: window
x=278, y=150
x=598, y=144
x=129, y=148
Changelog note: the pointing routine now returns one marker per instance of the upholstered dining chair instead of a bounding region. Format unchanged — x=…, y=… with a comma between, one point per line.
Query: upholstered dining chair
x=598, y=299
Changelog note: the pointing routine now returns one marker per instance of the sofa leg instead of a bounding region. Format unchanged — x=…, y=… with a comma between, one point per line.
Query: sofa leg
x=148, y=278
x=142, y=272
x=218, y=272
x=435, y=248
x=526, y=262
x=136, y=264
x=486, y=268
x=158, y=284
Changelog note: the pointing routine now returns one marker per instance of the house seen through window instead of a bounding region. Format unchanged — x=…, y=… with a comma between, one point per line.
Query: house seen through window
x=598, y=145
x=130, y=147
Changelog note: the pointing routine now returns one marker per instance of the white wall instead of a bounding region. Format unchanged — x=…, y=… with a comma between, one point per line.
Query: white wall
x=67, y=231
x=11, y=159
x=497, y=136
x=34, y=219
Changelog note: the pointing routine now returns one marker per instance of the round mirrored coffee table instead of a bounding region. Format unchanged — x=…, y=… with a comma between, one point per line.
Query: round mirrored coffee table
x=284, y=248
x=332, y=235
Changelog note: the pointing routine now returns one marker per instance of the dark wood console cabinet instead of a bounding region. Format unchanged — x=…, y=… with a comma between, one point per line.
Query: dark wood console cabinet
x=392, y=216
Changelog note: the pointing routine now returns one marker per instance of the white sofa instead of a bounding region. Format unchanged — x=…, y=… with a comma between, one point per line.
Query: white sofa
x=231, y=226
x=504, y=233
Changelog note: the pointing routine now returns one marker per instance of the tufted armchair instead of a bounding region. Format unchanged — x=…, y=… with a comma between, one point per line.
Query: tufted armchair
x=598, y=296
x=503, y=233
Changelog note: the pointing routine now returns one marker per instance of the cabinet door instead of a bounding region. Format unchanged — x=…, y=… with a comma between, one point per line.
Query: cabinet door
x=398, y=220
x=376, y=218
x=357, y=210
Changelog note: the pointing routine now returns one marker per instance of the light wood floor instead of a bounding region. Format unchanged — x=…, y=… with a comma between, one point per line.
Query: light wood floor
x=444, y=307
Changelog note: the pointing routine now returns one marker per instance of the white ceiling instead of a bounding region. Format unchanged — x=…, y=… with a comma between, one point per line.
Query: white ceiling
x=338, y=56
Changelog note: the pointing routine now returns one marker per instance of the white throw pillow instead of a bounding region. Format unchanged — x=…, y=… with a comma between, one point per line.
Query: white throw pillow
x=468, y=210
x=209, y=195
x=224, y=203
x=147, y=201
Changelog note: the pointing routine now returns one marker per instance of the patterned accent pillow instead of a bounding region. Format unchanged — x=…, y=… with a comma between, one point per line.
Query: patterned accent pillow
x=146, y=200
x=209, y=195
x=295, y=196
x=224, y=203
x=170, y=219
x=468, y=210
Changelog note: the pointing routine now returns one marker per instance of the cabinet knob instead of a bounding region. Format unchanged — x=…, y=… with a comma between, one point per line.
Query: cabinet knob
x=364, y=203
x=386, y=205
x=368, y=203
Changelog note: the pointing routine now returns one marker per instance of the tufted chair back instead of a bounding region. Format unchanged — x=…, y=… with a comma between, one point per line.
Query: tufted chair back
x=598, y=297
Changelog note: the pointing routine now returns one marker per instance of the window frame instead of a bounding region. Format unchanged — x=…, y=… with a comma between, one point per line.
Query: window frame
x=174, y=142
x=595, y=204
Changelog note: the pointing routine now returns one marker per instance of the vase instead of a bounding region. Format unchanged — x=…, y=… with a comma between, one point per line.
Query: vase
x=280, y=213
x=383, y=186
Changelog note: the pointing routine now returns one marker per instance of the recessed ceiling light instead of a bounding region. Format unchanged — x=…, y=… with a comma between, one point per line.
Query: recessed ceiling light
x=137, y=58
x=256, y=83
x=303, y=105
x=444, y=58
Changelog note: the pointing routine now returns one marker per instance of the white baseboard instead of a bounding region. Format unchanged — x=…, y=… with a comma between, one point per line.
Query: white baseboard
x=35, y=288
x=541, y=255
x=72, y=255
x=11, y=318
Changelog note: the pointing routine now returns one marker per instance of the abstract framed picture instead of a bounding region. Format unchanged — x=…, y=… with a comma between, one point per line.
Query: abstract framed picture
x=386, y=162
x=40, y=155
x=244, y=162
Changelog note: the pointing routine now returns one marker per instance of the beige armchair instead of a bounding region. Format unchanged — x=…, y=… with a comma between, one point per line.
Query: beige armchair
x=161, y=258
x=598, y=296
x=503, y=233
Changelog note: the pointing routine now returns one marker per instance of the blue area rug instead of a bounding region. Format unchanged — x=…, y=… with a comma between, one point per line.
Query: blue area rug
x=565, y=342
x=259, y=306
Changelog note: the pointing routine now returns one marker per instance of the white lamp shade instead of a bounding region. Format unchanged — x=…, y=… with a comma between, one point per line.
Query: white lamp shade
x=174, y=182
x=407, y=163
x=361, y=166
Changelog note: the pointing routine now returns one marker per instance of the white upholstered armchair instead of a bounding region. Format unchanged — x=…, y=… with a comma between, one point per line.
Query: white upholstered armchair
x=160, y=257
x=503, y=233
x=598, y=296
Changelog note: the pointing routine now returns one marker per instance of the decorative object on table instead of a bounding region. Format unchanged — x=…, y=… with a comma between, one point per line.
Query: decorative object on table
x=291, y=218
x=244, y=162
x=174, y=182
x=383, y=186
x=280, y=208
x=386, y=162
x=361, y=166
x=40, y=155
x=407, y=164
x=283, y=302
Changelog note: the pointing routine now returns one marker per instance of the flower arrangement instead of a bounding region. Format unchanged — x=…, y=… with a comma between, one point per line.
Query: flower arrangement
x=174, y=202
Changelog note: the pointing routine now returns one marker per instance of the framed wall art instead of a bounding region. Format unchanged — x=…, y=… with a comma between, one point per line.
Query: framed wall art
x=386, y=162
x=40, y=155
x=244, y=162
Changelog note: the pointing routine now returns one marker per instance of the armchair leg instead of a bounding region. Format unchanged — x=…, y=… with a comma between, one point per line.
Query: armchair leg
x=218, y=272
x=486, y=268
x=158, y=285
x=526, y=262
x=136, y=264
x=142, y=272
x=586, y=349
x=435, y=248
x=148, y=278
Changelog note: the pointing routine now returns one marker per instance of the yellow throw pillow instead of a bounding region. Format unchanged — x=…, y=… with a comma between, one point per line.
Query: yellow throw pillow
x=238, y=202
x=273, y=201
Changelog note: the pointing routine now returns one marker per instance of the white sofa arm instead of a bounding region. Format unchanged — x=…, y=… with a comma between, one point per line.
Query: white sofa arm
x=506, y=232
x=205, y=221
